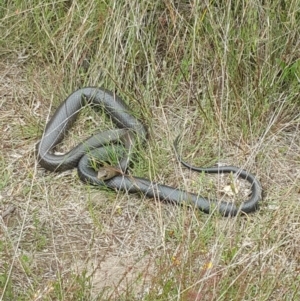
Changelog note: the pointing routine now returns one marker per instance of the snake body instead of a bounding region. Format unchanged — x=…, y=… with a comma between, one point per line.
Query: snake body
x=65, y=116
x=129, y=131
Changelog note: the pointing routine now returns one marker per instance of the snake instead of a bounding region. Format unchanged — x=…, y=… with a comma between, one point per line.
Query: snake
x=122, y=141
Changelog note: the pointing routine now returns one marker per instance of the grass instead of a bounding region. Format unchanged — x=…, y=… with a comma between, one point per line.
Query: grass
x=223, y=75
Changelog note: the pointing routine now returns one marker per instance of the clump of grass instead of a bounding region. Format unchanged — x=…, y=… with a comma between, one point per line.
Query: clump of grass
x=223, y=75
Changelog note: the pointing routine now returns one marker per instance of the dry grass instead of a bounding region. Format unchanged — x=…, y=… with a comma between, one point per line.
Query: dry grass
x=224, y=76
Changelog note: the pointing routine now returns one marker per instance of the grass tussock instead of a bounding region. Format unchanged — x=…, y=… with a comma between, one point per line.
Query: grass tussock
x=225, y=76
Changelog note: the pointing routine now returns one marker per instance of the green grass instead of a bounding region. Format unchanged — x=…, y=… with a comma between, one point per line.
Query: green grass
x=223, y=75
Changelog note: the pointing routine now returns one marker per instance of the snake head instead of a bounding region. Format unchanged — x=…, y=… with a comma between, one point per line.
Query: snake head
x=108, y=172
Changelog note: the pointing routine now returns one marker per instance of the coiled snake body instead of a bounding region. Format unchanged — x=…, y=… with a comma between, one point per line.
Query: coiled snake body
x=129, y=131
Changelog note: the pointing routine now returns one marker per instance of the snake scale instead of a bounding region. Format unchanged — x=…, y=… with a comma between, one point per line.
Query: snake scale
x=122, y=140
